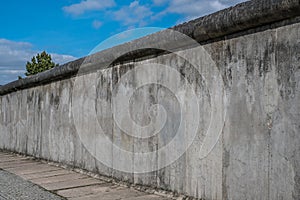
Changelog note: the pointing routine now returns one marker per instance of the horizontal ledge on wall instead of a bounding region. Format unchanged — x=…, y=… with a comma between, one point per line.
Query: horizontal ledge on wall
x=235, y=19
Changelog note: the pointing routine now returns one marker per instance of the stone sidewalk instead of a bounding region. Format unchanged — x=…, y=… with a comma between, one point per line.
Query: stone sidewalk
x=66, y=183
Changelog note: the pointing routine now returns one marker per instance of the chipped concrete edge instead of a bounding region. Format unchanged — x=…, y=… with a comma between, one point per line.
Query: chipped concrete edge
x=243, y=16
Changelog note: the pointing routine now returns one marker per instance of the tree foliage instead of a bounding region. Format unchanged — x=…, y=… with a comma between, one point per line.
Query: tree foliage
x=39, y=63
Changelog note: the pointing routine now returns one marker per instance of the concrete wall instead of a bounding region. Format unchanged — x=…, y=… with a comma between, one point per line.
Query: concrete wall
x=245, y=82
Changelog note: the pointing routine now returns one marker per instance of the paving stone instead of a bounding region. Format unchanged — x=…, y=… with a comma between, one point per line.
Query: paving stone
x=8, y=159
x=147, y=197
x=68, y=184
x=120, y=194
x=31, y=169
x=46, y=174
x=58, y=178
x=86, y=190
x=71, y=184
x=15, y=164
x=7, y=155
x=114, y=194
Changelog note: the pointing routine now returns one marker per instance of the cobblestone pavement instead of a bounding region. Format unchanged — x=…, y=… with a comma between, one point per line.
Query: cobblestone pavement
x=22, y=178
x=13, y=187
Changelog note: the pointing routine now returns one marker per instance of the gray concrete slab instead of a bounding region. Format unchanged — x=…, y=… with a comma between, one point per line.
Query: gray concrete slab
x=16, y=164
x=246, y=144
x=105, y=191
x=113, y=194
x=58, y=178
x=71, y=184
x=147, y=197
x=14, y=160
x=86, y=190
x=9, y=159
x=17, y=168
x=46, y=174
x=6, y=155
x=67, y=184
x=31, y=169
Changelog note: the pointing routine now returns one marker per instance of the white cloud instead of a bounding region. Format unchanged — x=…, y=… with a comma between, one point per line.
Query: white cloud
x=133, y=14
x=97, y=24
x=12, y=71
x=13, y=58
x=160, y=2
x=217, y=5
x=12, y=53
x=192, y=9
x=88, y=5
x=141, y=13
x=62, y=59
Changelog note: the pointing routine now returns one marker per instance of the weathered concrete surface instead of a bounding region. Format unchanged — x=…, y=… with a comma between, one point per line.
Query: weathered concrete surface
x=31, y=183
x=257, y=155
x=246, y=15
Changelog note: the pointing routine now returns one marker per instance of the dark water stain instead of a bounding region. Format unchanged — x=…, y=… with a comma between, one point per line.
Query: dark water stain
x=54, y=100
x=225, y=163
x=229, y=53
x=249, y=67
x=103, y=88
x=265, y=63
x=286, y=70
x=30, y=96
x=296, y=192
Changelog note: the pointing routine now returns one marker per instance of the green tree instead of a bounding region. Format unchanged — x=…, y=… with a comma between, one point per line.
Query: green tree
x=39, y=63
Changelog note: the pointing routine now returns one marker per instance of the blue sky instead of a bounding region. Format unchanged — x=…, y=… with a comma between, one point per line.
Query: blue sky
x=70, y=29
